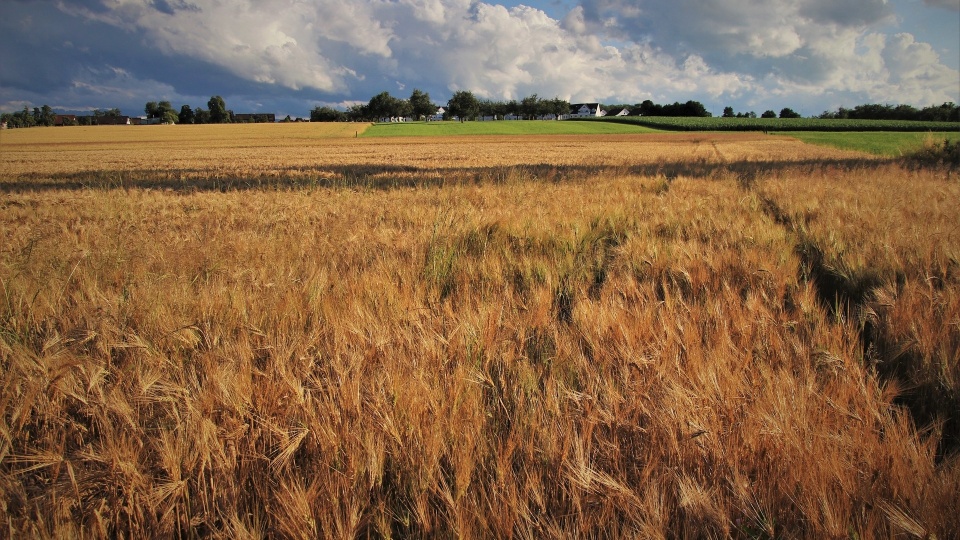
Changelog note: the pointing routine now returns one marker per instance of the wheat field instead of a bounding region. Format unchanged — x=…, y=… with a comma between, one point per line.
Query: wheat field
x=291, y=332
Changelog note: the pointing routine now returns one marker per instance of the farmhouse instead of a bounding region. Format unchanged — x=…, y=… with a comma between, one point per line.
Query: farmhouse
x=111, y=120
x=65, y=120
x=584, y=110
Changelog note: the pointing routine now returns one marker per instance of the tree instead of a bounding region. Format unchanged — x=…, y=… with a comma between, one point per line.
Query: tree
x=560, y=107
x=787, y=112
x=402, y=108
x=649, y=108
x=383, y=105
x=186, y=115
x=421, y=105
x=20, y=119
x=44, y=116
x=463, y=105
x=218, y=111
x=728, y=112
x=530, y=107
x=358, y=113
x=690, y=108
x=768, y=114
x=201, y=116
x=162, y=111
x=327, y=114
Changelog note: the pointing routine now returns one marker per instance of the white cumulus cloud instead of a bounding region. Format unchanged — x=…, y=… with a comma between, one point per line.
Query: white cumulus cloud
x=611, y=50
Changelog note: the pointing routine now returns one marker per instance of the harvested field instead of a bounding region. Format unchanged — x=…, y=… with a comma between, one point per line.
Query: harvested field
x=656, y=336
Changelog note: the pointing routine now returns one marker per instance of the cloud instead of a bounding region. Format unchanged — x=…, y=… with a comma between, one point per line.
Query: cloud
x=91, y=89
x=272, y=42
x=343, y=48
x=812, y=46
x=949, y=4
x=276, y=53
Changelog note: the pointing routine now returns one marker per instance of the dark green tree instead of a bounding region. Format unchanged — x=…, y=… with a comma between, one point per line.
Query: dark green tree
x=560, y=107
x=420, y=104
x=768, y=114
x=359, y=113
x=218, y=111
x=728, y=112
x=201, y=116
x=44, y=116
x=463, y=105
x=530, y=107
x=787, y=112
x=383, y=106
x=649, y=108
x=327, y=114
x=186, y=115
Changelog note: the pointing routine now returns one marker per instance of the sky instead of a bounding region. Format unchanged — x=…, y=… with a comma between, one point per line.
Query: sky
x=289, y=56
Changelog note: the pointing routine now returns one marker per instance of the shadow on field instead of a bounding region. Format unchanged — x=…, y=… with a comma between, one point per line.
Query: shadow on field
x=385, y=177
x=849, y=294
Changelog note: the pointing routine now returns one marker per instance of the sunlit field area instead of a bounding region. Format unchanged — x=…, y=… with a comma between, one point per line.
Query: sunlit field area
x=512, y=127
x=294, y=331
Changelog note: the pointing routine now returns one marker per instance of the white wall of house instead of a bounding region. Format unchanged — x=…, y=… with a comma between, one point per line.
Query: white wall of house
x=587, y=110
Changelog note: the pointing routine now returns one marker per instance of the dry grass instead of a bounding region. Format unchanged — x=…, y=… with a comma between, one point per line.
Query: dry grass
x=529, y=352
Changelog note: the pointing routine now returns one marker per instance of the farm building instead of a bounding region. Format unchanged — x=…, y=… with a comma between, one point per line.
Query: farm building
x=65, y=120
x=584, y=110
x=111, y=120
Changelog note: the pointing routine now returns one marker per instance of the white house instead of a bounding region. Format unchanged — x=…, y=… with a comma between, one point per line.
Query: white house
x=624, y=112
x=583, y=110
x=437, y=116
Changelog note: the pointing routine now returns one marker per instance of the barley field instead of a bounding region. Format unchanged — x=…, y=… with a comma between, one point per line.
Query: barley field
x=290, y=331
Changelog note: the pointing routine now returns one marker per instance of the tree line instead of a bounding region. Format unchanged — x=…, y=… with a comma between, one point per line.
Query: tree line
x=215, y=113
x=45, y=116
x=947, y=112
x=40, y=116
x=463, y=105
x=161, y=111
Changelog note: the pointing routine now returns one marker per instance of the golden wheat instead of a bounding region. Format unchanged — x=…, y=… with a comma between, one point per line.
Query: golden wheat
x=623, y=342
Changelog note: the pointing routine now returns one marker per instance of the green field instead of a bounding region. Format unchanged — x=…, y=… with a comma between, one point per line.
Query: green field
x=892, y=144
x=504, y=127
x=884, y=138
x=777, y=124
